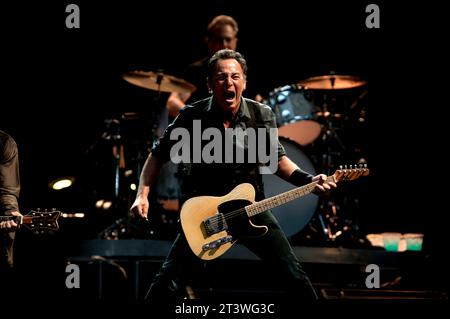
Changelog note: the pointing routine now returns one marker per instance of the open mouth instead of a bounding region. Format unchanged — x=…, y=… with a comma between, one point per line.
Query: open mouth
x=229, y=96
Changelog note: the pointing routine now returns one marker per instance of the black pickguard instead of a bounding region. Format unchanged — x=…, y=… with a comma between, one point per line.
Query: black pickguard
x=237, y=219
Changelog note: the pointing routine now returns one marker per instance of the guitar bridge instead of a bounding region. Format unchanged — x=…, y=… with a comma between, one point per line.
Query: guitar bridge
x=217, y=243
x=215, y=224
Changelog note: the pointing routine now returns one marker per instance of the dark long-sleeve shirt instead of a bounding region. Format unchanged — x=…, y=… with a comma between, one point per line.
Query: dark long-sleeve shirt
x=9, y=174
x=9, y=195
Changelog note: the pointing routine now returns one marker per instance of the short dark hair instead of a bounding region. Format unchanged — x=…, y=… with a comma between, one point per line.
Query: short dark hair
x=224, y=55
x=219, y=21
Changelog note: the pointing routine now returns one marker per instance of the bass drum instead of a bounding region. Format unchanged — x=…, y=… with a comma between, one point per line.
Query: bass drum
x=294, y=215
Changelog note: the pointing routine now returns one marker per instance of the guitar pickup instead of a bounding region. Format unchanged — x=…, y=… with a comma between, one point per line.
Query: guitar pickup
x=217, y=243
x=215, y=224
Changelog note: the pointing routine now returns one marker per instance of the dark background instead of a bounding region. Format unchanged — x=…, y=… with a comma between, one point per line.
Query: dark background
x=59, y=85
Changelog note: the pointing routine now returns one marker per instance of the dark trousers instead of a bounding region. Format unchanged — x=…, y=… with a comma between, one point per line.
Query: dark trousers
x=170, y=283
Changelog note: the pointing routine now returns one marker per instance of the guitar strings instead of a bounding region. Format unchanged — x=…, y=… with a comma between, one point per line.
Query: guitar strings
x=228, y=215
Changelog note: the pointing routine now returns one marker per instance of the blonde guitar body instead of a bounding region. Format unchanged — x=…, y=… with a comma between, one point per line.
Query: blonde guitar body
x=198, y=209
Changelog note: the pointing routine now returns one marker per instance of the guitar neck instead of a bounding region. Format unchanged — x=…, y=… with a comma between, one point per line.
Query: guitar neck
x=17, y=219
x=283, y=198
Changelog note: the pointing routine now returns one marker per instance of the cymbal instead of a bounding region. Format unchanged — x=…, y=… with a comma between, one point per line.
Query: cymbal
x=158, y=81
x=332, y=82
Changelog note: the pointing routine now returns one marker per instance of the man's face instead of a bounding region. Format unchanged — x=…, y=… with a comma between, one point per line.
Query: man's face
x=227, y=84
x=224, y=37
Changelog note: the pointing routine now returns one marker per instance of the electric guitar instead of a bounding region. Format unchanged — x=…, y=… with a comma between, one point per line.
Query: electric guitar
x=39, y=222
x=213, y=224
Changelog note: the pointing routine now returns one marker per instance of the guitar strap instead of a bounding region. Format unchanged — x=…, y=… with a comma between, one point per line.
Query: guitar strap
x=255, y=122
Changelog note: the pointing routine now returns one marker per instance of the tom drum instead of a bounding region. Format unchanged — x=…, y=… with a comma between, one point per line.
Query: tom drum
x=295, y=114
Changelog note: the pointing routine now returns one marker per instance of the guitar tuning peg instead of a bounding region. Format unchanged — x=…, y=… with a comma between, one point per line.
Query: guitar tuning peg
x=351, y=167
x=345, y=166
x=340, y=167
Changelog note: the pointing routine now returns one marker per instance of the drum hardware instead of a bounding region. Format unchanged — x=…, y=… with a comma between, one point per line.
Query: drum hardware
x=329, y=211
x=128, y=228
x=330, y=86
x=331, y=156
x=341, y=223
x=330, y=138
x=134, y=128
x=165, y=193
x=158, y=81
x=309, y=112
x=358, y=108
x=337, y=215
x=333, y=224
x=112, y=138
x=129, y=138
x=330, y=215
x=330, y=95
x=357, y=101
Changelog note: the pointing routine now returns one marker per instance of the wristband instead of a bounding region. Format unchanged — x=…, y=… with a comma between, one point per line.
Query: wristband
x=300, y=177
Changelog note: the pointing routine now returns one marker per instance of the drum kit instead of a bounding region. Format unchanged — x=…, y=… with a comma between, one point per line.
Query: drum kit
x=316, y=107
x=312, y=116
x=318, y=119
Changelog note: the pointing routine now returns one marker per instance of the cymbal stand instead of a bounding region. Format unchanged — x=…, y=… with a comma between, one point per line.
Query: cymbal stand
x=159, y=112
x=329, y=135
x=329, y=213
x=112, y=133
x=324, y=227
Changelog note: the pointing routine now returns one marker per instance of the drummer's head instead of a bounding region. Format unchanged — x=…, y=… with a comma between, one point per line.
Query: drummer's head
x=222, y=34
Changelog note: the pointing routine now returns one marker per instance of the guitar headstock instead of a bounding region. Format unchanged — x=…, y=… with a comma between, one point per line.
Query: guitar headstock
x=351, y=172
x=40, y=222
